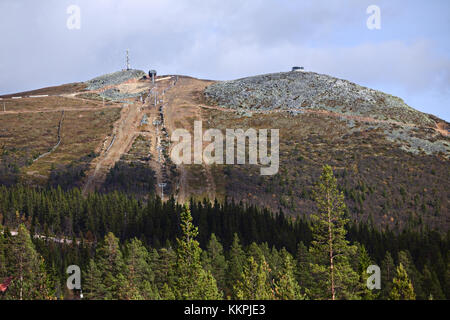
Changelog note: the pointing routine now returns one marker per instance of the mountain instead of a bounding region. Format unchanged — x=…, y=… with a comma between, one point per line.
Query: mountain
x=390, y=159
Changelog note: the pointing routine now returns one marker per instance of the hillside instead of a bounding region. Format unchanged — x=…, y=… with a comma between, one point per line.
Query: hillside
x=390, y=159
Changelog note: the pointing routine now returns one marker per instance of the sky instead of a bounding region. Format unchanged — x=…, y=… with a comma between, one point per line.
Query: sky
x=408, y=56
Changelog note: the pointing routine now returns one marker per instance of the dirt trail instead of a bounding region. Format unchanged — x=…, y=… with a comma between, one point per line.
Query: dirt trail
x=125, y=131
x=184, y=106
x=119, y=143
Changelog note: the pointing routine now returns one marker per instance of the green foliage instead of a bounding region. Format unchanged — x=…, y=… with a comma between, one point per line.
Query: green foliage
x=140, y=277
x=26, y=267
x=144, y=265
x=330, y=251
x=216, y=262
x=111, y=268
x=404, y=258
x=236, y=263
x=286, y=285
x=254, y=283
x=402, y=288
x=192, y=281
x=387, y=275
x=431, y=285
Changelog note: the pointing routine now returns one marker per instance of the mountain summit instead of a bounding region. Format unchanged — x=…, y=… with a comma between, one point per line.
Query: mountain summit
x=309, y=90
x=114, y=133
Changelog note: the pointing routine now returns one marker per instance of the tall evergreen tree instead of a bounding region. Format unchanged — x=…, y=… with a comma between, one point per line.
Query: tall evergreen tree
x=447, y=278
x=254, y=283
x=164, y=268
x=431, y=286
x=303, y=270
x=3, y=261
x=192, y=281
x=236, y=261
x=404, y=257
x=330, y=250
x=93, y=285
x=217, y=261
x=286, y=285
x=364, y=261
x=139, y=274
x=387, y=275
x=402, y=288
x=27, y=269
x=110, y=263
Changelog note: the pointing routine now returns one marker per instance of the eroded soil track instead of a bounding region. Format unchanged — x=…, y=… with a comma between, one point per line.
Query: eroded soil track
x=126, y=130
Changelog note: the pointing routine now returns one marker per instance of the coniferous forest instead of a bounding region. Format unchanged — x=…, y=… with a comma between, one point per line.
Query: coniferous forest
x=128, y=248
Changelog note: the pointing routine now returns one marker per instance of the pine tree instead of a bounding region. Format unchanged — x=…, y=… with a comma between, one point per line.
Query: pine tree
x=166, y=293
x=93, y=285
x=30, y=280
x=110, y=263
x=217, y=261
x=139, y=274
x=330, y=250
x=303, y=271
x=404, y=257
x=402, y=288
x=236, y=263
x=192, y=281
x=286, y=285
x=387, y=275
x=364, y=261
x=431, y=285
x=164, y=267
x=3, y=261
x=447, y=278
x=254, y=283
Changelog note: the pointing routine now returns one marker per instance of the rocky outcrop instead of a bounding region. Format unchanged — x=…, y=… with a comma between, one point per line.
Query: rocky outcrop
x=309, y=90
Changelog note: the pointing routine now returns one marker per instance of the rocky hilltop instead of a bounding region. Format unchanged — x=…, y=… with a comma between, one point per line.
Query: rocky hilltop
x=309, y=90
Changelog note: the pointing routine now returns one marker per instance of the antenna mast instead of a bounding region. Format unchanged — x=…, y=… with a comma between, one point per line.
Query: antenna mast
x=128, y=60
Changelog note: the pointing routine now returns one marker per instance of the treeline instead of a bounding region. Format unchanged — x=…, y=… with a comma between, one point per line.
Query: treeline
x=238, y=248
